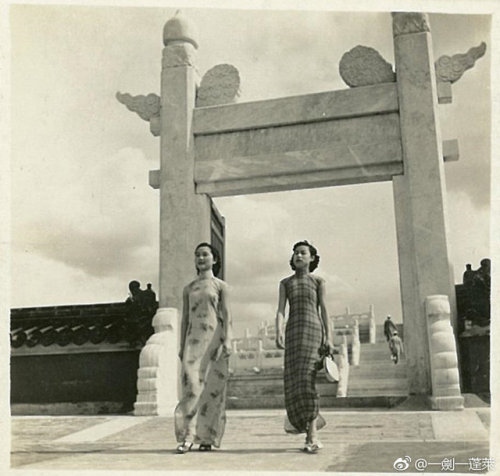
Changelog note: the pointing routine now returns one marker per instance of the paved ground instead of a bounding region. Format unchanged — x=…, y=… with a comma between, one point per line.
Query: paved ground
x=355, y=441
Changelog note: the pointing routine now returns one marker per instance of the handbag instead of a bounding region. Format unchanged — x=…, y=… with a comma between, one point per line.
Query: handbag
x=328, y=363
x=331, y=369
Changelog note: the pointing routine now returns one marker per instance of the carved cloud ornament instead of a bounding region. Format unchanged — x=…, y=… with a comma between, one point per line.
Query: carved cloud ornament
x=363, y=66
x=219, y=85
x=147, y=107
x=452, y=68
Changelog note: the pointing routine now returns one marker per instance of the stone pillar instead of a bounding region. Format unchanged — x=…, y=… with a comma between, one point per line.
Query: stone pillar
x=184, y=215
x=419, y=194
x=444, y=363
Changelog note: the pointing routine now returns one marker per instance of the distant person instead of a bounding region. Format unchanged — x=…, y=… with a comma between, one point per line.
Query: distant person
x=306, y=339
x=481, y=290
x=468, y=276
x=135, y=291
x=389, y=328
x=149, y=298
x=151, y=295
x=396, y=347
x=205, y=339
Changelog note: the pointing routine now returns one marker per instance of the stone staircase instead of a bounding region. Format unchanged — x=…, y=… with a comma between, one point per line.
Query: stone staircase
x=265, y=390
x=376, y=374
x=376, y=382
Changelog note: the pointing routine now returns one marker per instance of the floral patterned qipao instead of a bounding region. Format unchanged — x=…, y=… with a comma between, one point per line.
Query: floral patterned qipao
x=200, y=415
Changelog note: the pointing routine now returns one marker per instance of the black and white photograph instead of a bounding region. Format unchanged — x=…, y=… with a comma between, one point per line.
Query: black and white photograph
x=249, y=237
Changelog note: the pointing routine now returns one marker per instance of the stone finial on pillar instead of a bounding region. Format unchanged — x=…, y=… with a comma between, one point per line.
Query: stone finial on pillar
x=157, y=373
x=179, y=38
x=444, y=364
x=180, y=29
x=404, y=23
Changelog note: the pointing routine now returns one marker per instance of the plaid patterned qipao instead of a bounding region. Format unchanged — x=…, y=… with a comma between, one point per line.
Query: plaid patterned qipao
x=304, y=336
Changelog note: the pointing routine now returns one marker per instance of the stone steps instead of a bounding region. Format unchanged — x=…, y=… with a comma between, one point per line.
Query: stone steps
x=377, y=375
x=278, y=401
x=375, y=371
x=376, y=382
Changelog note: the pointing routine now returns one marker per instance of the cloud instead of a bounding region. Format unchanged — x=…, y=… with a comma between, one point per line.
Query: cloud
x=103, y=227
x=83, y=215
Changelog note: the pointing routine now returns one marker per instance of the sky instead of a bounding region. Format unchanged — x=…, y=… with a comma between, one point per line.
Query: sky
x=84, y=221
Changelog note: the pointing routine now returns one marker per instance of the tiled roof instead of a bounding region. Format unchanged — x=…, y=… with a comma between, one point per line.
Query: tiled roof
x=89, y=324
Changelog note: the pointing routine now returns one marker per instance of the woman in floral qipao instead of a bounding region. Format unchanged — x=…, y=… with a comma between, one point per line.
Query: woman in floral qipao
x=200, y=416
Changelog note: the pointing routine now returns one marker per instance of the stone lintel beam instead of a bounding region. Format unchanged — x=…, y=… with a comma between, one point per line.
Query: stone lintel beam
x=300, y=109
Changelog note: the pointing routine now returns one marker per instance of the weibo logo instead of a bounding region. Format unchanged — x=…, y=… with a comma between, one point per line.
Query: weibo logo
x=402, y=464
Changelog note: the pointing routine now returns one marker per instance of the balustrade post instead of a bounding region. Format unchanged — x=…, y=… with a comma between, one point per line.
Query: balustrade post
x=259, y=354
x=356, y=347
x=372, y=325
x=343, y=364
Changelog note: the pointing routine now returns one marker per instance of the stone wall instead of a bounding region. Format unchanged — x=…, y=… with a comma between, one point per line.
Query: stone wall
x=76, y=358
x=473, y=348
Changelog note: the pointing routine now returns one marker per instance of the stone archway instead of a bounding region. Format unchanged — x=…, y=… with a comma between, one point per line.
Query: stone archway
x=382, y=128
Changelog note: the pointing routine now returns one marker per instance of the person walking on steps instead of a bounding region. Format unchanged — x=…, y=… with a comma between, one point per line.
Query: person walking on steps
x=389, y=328
x=396, y=347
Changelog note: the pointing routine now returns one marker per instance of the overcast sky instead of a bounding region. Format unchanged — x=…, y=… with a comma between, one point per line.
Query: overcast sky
x=84, y=219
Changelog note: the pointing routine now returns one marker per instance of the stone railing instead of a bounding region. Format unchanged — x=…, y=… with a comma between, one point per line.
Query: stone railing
x=364, y=320
x=255, y=360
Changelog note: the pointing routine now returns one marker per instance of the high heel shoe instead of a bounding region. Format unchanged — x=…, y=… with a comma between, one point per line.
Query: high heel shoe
x=312, y=447
x=184, y=447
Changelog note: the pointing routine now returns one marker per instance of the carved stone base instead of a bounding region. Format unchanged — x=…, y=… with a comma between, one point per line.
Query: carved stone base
x=444, y=364
x=447, y=403
x=157, y=376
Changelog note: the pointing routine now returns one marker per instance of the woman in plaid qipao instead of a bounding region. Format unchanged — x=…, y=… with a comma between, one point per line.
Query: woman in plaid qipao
x=307, y=338
x=200, y=416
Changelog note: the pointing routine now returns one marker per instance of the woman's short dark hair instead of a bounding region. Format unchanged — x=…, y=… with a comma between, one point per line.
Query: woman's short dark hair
x=217, y=261
x=314, y=253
